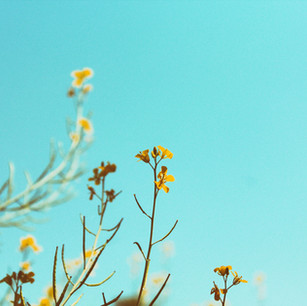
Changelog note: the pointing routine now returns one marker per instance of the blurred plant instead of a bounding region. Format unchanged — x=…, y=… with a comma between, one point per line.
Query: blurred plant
x=160, y=179
x=259, y=282
x=51, y=186
x=224, y=272
x=89, y=257
x=15, y=282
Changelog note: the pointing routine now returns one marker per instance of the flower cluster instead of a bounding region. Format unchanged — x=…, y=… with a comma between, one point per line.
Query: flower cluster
x=158, y=153
x=80, y=77
x=79, y=89
x=29, y=242
x=98, y=177
x=16, y=277
x=224, y=272
x=101, y=172
x=15, y=281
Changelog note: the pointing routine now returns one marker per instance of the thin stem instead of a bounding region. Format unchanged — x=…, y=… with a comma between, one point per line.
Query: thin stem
x=159, y=292
x=140, y=207
x=152, y=219
x=225, y=283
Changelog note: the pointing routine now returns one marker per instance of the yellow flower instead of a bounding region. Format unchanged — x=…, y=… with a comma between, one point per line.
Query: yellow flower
x=163, y=178
x=25, y=265
x=86, y=125
x=237, y=279
x=74, y=137
x=89, y=253
x=80, y=76
x=87, y=88
x=49, y=292
x=165, y=153
x=29, y=242
x=143, y=156
x=44, y=302
x=222, y=270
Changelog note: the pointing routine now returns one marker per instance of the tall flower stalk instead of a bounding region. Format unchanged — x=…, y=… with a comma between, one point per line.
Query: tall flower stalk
x=51, y=187
x=159, y=181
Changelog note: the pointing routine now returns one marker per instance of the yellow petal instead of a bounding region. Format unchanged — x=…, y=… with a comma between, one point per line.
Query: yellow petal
x=170, y=178
x=165, y=188
x=87, y=88
x=85, y=124
x=87, y=72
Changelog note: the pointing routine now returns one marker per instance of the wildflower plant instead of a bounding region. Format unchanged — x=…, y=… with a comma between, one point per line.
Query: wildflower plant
x=51, y=187
x=89, y=256
x=161, y=178
x=220, y=294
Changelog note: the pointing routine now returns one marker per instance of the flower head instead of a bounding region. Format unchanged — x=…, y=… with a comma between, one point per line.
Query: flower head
x=237, y=279
x=110, y=195
x=163, y=178
x=106, y=169
x=96, y=177
x=44, y=302
x=80, y=76
x=25, y=265
x=223, y=270
x=87, y=88
x=86, y=125
x=29, y=242
x=143, y=156
x=165, y=153
x=75, y=138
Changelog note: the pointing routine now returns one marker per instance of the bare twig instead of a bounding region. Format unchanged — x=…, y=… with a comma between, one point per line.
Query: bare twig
x=167, y=233
x=140, y=249
x=137, y=202
x=159, y=292
x=112, y=301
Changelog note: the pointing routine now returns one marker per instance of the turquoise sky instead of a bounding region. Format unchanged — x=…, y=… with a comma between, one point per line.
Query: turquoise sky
x=222, y=84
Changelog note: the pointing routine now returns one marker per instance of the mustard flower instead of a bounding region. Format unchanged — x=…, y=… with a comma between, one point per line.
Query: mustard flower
x=86, y=125
x=25, y=265
x=44, y=302
x=75, y=138
x=222, y=270
x=80, y=76
x=87, y=88
x=96, y=178
x=163, y=178
x=29, y=242
x=165, y=153
x=143, y=156
x=237, y=279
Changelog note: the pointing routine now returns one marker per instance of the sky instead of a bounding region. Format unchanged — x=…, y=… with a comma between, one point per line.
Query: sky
x=221, y=84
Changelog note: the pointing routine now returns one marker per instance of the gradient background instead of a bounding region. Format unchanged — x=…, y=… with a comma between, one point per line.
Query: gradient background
x=222, y=84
